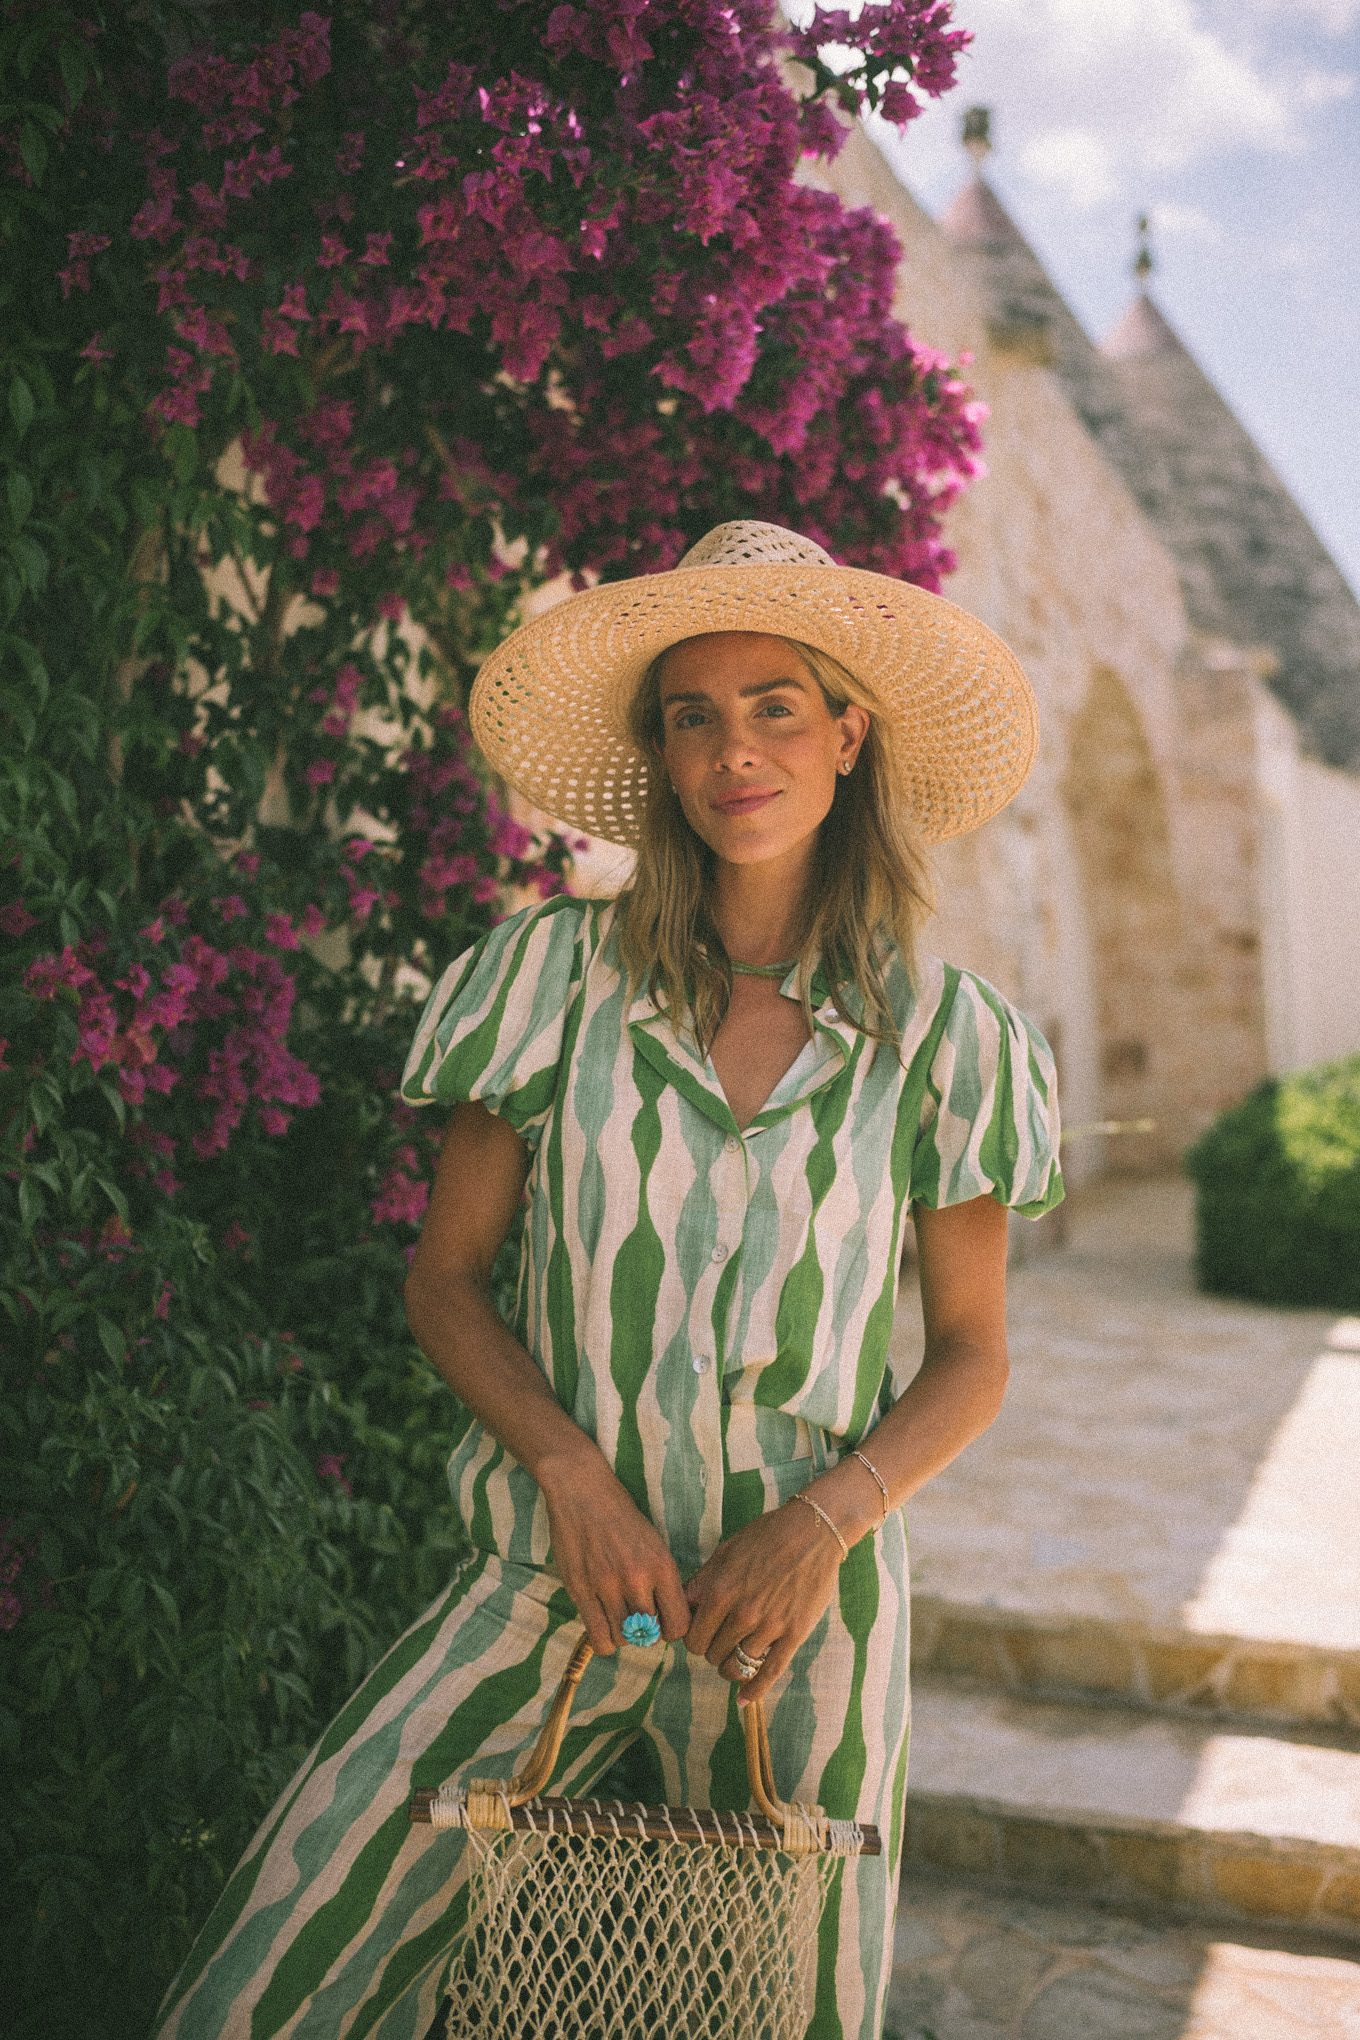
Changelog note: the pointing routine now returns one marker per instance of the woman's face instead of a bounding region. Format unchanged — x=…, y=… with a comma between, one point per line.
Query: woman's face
x=750, y=746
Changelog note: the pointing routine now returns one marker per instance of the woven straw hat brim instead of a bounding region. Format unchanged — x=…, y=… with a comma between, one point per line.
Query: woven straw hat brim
x=550, y=705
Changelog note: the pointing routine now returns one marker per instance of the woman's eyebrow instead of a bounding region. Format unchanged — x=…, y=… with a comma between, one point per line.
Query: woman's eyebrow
x=744, y=694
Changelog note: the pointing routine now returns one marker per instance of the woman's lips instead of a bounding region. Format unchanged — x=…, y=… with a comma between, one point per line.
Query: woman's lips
x=744, y=803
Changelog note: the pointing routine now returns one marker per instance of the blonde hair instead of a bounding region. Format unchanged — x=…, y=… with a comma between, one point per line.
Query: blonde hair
x=870, y=892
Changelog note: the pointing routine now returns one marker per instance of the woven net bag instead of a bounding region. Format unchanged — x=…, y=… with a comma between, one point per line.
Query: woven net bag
x=589, y=1921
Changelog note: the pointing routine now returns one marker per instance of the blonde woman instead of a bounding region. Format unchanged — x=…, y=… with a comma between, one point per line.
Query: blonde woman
x=711, y=1107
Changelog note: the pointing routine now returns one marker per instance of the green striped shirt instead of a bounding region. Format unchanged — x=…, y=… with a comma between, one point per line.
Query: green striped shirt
x=713, y=1304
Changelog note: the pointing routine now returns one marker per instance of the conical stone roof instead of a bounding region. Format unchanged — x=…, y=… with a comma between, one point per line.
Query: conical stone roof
x=1251, y=566
x=1026, y=312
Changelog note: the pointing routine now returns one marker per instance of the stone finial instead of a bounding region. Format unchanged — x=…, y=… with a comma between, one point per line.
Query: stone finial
x=977, y=134
x=1143, y=263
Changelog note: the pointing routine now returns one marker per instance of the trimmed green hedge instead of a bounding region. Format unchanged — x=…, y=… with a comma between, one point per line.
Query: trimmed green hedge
x=1278, y=1209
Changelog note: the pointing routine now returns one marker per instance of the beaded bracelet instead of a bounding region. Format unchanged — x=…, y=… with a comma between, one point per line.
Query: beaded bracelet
x=869, y=1466
x=807, y=1499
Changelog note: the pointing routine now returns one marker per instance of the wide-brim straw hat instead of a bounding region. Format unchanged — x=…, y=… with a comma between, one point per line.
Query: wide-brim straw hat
x=550, y=707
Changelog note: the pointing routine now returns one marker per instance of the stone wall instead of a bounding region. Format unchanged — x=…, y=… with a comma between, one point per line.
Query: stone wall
x=1312, y=899
x=1118, y=899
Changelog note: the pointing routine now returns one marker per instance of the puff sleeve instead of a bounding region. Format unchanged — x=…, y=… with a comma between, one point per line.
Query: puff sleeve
x=989, y=1118
x=492, y=1028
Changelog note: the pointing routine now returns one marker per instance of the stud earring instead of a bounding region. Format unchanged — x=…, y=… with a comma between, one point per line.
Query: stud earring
x=844, y=766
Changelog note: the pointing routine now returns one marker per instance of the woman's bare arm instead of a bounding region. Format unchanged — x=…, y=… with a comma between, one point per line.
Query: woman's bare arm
x=767, y=1586
x=610, y=1557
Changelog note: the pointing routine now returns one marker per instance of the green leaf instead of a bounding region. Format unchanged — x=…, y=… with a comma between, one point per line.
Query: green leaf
x=75, y=70
x=21, y=405
x=181, y=444
x=22, y=716
x=30, y=658
x=32, y=1203
x=114, y=1195
x=33, y=560
x=117, y=1103
x=112, y=1340
x=20, y=491
x=33, y=149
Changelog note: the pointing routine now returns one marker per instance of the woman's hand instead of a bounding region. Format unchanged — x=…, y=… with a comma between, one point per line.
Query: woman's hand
x=766, y=1588
x=612, y=1561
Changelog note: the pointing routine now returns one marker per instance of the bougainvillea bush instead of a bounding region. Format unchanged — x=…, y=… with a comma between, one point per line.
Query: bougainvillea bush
x=325, y=339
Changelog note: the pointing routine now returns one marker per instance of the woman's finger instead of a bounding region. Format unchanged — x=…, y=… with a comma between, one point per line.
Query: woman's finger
x=672, y=1606
x=597, y=1624
x=774, y=1668
x=736, y=1628
x=752, y=1650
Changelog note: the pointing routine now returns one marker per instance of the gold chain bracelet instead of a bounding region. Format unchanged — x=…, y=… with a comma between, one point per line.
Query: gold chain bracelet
x=809, y=1503
x=869, y=1467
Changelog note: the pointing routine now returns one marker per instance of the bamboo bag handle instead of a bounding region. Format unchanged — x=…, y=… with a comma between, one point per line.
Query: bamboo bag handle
x=529, y=1782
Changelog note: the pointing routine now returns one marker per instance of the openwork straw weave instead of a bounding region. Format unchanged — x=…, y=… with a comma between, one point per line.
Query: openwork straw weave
x=609, y=1922
x=550, y=705
x=615, y=1938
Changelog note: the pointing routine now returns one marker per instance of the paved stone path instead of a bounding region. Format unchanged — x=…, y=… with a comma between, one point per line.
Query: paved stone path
x=1163, y=1458
x=1131, y=1622
x=978, y=1965
x=1157, y=1512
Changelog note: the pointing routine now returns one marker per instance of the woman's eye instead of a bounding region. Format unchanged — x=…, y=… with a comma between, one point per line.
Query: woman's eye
x=776, y=708
x=688, y=719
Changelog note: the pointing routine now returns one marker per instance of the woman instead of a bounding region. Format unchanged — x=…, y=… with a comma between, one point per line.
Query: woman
x=723, y=1094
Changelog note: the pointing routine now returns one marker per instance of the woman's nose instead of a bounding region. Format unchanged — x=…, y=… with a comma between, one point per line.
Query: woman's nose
x=734, y=747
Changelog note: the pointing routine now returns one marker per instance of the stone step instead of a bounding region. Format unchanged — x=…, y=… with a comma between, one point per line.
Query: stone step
x=1253, y=1829
x=972, y=1964
x=1137, y=1664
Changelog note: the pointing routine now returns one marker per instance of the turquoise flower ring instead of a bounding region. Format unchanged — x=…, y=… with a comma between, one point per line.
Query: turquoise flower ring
x=642, y=1629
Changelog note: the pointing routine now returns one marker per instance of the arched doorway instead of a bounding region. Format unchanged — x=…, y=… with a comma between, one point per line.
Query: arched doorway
x=1117, y=809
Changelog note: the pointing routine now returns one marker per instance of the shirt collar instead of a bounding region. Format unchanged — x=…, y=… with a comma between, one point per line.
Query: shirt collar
x=834, y=1047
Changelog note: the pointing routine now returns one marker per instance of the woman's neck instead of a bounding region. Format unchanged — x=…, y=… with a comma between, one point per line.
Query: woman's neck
x=760, y=909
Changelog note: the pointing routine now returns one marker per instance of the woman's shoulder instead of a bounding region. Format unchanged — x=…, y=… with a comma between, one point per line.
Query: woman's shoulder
x=935, y=1002
x=977, y=1007
x=931, y=984
x=505, y=996
x=989, y=1122
x=533, y=937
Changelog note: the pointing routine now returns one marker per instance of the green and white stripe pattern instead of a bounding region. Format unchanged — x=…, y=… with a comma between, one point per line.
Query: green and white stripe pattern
x=713, y=1306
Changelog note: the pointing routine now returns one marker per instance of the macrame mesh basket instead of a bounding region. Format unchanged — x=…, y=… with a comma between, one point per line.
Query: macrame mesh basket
x=615, y=1938
x=589, y=1921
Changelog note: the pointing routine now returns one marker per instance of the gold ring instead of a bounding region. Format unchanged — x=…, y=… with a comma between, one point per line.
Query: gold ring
x=748, y=1666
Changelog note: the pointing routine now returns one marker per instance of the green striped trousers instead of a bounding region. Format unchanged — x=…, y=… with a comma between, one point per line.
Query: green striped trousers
x=341, y=1917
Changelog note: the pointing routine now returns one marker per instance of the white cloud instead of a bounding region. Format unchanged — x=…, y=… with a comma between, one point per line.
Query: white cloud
x=1073, y=160
x=1332, y=17
x=1093, y=95
x=1172, y=222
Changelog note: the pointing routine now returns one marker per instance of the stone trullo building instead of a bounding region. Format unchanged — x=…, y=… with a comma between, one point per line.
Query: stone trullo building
x=1175, y=895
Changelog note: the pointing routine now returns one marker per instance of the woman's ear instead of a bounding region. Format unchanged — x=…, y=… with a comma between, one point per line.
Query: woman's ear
x=854, y=727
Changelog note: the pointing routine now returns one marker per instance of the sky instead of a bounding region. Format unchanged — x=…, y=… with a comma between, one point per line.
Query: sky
x=1235, y=125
